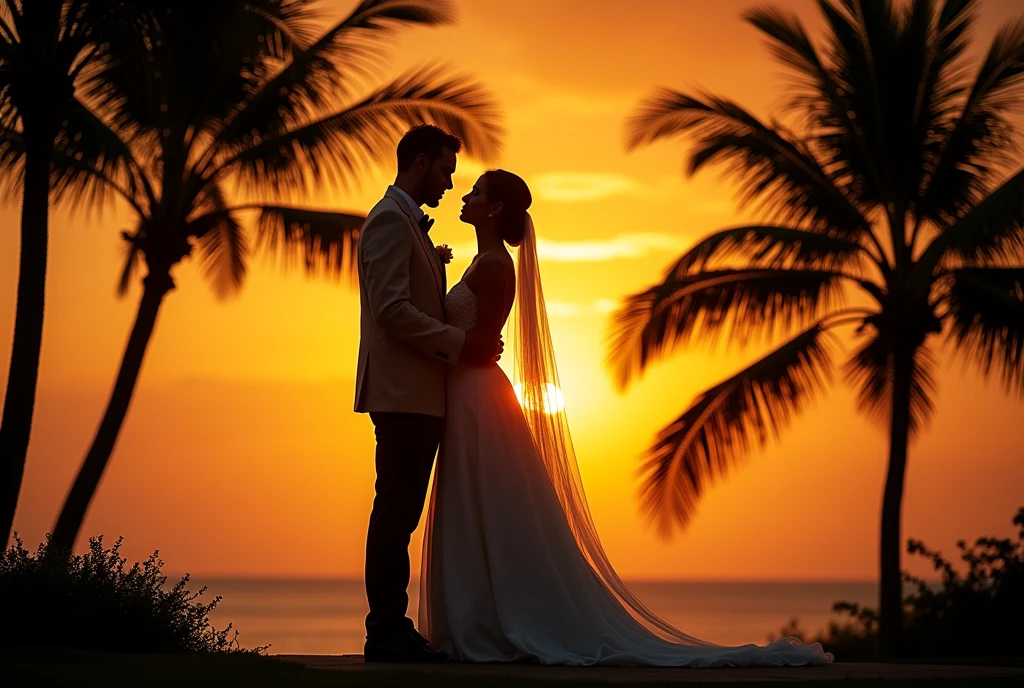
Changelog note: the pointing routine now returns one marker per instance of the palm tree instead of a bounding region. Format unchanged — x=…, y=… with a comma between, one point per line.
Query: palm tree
x=45, y=47
x=887, y=208
x=189, y=122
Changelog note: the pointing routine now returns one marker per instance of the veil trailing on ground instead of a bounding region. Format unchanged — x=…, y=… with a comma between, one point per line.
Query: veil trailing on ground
x=537, y=375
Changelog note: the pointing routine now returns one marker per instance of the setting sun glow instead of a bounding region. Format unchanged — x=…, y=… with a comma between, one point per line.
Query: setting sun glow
x=251, y=396
x=553, y=399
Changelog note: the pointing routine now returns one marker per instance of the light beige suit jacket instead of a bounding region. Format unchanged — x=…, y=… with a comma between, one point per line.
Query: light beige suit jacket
x=404, y=343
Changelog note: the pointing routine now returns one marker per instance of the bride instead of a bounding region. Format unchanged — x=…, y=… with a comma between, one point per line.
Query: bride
x=513, y=569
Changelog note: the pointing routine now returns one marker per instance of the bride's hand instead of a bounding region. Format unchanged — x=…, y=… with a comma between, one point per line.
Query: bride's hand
x=482, y=348
x=501, y=349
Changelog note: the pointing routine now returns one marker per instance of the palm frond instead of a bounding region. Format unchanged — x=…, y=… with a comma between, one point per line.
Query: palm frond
x=862, y=39
x=871, y=372
x=981, y=139
x=128, y=86
x=769, y=164
x=8, y=34
x=986, y=308
x=132, y=262
x=74, y=34
x=154, y=80
x=770, y=246
x=326, y=70
x=704, y=306
x=287, y=24
x=897, y=69
x=22, y=16
x=928, y=92
x=991, y=229
x=9, y=77
x=322, y=241
x=791, y=45
x=91, y=162
x=722, y=424
x=338, y=147
x=818, y=97
x=12, y=157
x=221, y=241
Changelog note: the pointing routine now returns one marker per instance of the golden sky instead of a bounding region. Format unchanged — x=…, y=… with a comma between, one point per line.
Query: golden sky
x=241, y=455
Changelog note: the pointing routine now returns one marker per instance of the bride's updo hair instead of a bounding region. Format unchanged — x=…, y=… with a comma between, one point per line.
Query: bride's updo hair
x=515, y=197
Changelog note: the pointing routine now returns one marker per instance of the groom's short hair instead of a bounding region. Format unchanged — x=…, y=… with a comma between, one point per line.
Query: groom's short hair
x=425, y=138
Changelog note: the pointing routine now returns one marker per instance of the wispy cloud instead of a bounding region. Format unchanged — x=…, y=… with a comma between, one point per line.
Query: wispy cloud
x=572, y=187
x=615, y=248
x=538, y=101
x=566, y=186
x=567, y=309
x=621, y=247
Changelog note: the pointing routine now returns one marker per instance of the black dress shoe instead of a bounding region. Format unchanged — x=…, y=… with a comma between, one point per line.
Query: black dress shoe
x=402, y=649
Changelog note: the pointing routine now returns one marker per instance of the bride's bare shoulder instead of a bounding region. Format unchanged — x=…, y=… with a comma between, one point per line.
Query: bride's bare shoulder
x=489, y=268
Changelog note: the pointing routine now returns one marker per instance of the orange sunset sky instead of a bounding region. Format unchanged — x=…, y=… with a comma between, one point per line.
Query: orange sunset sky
x=241, y=454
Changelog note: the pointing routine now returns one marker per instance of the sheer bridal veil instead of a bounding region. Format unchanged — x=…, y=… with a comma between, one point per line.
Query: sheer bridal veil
x=535, y=371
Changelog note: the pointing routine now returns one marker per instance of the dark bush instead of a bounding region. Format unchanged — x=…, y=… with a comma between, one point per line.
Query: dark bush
x=95, y=601
x=973, y=614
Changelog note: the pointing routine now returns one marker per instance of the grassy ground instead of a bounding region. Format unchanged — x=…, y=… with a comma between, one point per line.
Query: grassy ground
x=49, y=667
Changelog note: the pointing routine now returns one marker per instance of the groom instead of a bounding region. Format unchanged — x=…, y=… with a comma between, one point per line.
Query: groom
x=404, y=348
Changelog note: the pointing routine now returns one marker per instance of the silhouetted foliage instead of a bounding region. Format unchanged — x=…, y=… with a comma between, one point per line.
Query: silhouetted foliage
x=95, y=601
x=973, y=613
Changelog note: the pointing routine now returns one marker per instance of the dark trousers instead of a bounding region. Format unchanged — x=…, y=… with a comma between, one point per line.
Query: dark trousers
x=406, y=446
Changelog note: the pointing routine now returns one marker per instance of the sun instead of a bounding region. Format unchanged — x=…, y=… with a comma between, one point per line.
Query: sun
x=553, y=399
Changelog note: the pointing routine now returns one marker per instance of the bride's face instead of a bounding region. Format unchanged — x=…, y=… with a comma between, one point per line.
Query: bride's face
x=475, y=206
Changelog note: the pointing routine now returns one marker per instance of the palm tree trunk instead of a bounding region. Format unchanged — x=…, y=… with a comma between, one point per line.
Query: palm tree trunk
x=890, y=627
x=69, y=524
x=20, y=398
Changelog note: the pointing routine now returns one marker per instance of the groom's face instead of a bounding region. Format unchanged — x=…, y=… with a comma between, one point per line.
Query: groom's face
x=438, y=177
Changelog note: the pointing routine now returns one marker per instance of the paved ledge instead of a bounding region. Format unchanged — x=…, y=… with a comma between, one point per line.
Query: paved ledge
x=838, y=672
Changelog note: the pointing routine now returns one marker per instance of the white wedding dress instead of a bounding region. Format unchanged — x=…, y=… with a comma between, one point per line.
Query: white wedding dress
x=504, y=578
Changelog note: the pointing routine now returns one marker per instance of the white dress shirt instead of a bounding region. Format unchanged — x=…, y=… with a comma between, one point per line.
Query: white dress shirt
x=417, y=212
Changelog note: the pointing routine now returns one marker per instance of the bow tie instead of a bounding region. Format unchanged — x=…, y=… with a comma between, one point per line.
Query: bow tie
x=426, y=222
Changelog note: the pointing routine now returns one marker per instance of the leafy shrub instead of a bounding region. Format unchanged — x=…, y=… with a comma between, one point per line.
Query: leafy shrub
x=974, y=614
x=95, y=601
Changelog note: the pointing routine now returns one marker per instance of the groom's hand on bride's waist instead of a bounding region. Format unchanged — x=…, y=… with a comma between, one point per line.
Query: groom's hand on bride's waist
x=500, y=348
x=481, y=348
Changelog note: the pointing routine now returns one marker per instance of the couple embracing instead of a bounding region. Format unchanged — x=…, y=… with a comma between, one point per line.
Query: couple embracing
x=513, y=569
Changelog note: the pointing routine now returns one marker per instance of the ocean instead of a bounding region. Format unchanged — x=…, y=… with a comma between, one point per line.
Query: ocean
x=326, y=616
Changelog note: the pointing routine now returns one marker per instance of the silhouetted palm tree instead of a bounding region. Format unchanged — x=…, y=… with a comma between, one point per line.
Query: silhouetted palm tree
x=45, y=47
x=887, y=208
x=189, y=121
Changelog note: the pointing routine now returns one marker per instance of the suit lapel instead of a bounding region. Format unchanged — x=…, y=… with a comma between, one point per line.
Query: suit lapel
x=436, y=267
